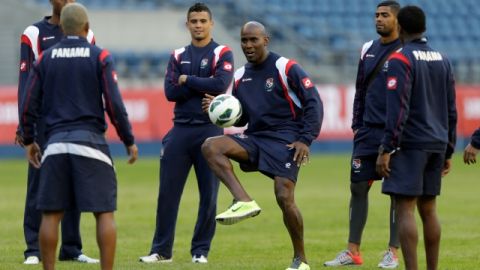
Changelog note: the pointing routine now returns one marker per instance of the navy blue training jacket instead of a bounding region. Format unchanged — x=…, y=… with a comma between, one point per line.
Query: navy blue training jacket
x=70, y=85
x=369, y=104
x=421, y=111
x=209, y=70
x=277, y=96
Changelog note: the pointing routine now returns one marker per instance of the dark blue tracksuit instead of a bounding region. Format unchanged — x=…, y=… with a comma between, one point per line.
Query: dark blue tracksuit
x=209, y=70
x=35, y=39
x=421, y=119
x=369, y=109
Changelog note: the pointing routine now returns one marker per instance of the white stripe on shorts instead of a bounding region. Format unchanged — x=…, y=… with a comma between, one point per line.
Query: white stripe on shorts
x=75, y=149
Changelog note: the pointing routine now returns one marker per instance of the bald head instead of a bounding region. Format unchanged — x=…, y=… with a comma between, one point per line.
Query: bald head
x=254, y=41
x=74, y=20
x=254, y=26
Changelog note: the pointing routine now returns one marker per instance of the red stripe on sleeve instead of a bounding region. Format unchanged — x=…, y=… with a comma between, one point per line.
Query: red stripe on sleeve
x=25, y=40
x=223, y=51
x=104, y=55
x=289, y=65
x=401, y=57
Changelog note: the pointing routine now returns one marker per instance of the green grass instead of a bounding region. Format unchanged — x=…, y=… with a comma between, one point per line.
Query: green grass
x=262, y=242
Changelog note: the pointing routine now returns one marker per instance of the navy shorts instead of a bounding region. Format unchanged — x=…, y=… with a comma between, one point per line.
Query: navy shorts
x=414, y=173
x=77, y=175
x=268, y=155
x=363, y=168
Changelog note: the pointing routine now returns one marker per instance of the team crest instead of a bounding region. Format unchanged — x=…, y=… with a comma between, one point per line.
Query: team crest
x=269, y=84
x=204, y=63
x=356, y=163
x=385, y=67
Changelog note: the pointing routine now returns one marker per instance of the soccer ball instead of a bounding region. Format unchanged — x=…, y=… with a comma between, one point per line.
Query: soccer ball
x=224, y=110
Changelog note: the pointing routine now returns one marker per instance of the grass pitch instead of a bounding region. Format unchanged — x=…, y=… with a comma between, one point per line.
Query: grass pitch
x=260, y=243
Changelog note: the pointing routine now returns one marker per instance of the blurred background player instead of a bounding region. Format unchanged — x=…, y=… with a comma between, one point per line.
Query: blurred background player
x=280, y=129
x=202, y=67
x=35, y=40
x=471, y=150
x=67, y=87
x=367, y=124
x=420, y=135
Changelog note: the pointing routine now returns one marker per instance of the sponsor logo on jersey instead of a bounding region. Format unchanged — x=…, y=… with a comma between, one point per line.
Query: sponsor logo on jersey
x=369, y=55
x=269, y=84
x=227, y=66
x=70, y=52
x=23, y=66
x=204, y=63
x=307, y=83
x=185, y=62
x=392, y=83
x=114, y=76
x=47, y=38
x=246, y=79
x=356, y=163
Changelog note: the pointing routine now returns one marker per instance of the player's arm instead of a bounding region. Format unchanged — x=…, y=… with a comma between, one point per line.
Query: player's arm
x=113, y=100
x=219, y=82
x=174, y=91
x=452, y=115
x=27, y=57
x=311, y=103
x=359, y=99
x=475, y=142
x=399, y=86
x=30, y=104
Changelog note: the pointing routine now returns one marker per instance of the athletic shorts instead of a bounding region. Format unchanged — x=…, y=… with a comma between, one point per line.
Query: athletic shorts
x=414, y=173
x=77, y=175
x=363, y=168
x=268, y=155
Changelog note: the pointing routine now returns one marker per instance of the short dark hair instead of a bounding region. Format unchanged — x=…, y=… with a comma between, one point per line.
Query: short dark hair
x=199, y=7
x=412, y=20
x=394, y=5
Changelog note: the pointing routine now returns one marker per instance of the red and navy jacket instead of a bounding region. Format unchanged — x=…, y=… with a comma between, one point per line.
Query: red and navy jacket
x=369, y=104
x=209, y=70
x=476, y=139
x=421, y=111
x=278, y=98
x=70, y=85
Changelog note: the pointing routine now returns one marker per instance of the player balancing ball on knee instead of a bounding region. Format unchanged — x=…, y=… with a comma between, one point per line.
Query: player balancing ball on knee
x=224, y=110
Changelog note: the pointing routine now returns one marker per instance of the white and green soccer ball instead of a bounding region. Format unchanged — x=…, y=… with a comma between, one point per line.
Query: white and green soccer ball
x=224, y=110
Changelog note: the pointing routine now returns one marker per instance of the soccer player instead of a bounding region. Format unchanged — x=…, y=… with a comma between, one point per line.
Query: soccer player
x=36, y=39
x=368, y=122
x=471, y=150
x=284, y=113
x=420, y=135
x=68, y=86
x=202, y=67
